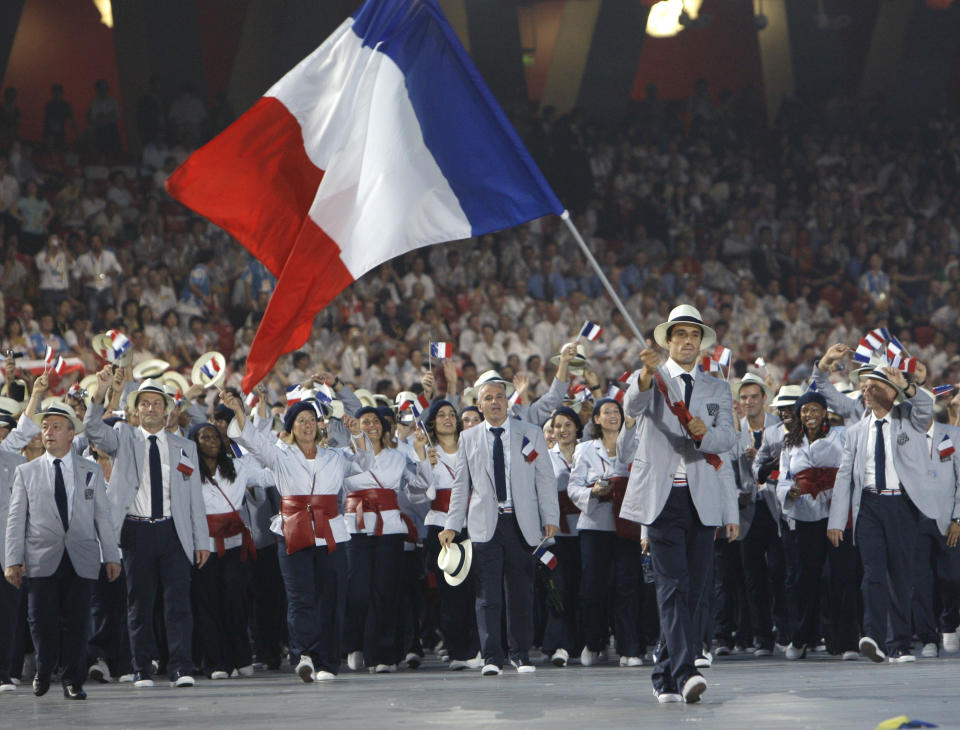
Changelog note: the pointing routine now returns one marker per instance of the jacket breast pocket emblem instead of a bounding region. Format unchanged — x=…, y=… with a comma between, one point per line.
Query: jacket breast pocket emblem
x=902, y=439
x=88, y=493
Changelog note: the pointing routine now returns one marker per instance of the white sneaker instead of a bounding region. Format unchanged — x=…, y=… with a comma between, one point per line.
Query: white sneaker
x=99, y=672
x=693, y=688
x=385, y=669
x=703, y=661
x=305, y=668
x=355, y=660
x=869, y=648
x=851, y=656
x=666, y=697
x=631, y=661
x=951, y=641
x=588, y=658
x=560, y=658
x=902, y=657
x=412, y=660
x=219, y=674
x=8, y=687
x=16, y=682
x=523, y=666
x=762, y=652
x=796, y=652
x=125, y=678
x=491, y=670
x=324, y=676
x=723, y=650
x=476, y=662
x=141, y=683
x=184, y=680
x=930, y=651
x=246, y=671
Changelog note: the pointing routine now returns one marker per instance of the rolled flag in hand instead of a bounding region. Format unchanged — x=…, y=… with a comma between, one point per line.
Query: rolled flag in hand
x=591, y=330
x=545, y=557
x=526, y=448
x=441, y=350
x=722, y=355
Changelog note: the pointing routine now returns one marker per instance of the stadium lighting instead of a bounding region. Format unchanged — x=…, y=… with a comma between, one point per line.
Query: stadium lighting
x=664, y=18
x=106, y=12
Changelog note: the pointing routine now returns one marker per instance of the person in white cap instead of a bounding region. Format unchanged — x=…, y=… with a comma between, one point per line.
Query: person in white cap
x=156, y=492
x=884, y=462
x=676, y=490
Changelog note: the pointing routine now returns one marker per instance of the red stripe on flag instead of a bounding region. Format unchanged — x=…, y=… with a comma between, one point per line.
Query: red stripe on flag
x=256, y=182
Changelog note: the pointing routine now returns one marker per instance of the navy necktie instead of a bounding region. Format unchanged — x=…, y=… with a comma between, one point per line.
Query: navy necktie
x=880, y=459
x=60, y=492
x=757, y=439
x=156, y=480
x=687, y=388
x=499, y=467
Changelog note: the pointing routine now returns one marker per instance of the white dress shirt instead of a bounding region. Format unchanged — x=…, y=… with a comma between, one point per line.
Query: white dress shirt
x=142, y=504
x=505, y=438
x=869, y=473
x=66, y=467
x=675, y=372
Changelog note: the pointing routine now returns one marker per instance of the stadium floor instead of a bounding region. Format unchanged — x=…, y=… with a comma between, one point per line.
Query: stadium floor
x=818, y=692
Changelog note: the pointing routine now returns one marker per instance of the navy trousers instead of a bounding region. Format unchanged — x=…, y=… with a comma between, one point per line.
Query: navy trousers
x=456, y=612
x=316, y=585
x=504, y=569
x=219, y=592
x=268, y=606
x=9, y=614
x=730, y=596
x=763, y=569
x=154, y=562
x=59, y=614
x=936, y=575
x=562, y=630
x=109, y=639
x=682, y=550
x=887, y=536
x=374, y=572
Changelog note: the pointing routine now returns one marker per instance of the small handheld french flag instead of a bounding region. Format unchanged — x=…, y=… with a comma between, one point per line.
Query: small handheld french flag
x=545, y=557
x=251, y=399
x=614, y=392
x=945, y=448
x=582, y=393
x=441, y=350
x=942, y=390
x=526, y=448
x=210, y=368
x=325, y=394
x=59, y=365
x=591, y=330
x=515, y=399
x=722, y=355
x=760, y=362
x=184, y=466
x=48, y=355
x=416, y=406
x=709, y=365
x=294, y=394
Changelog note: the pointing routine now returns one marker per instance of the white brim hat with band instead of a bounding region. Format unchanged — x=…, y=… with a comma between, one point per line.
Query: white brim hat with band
x=492, y=376
x=59, y=408
x=787, y=396
x=684, y=314
x=150, y=386
x=752, y=379
x=455, y=560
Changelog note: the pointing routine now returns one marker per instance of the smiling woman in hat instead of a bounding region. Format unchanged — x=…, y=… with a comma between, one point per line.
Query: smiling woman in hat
x=455, y=611
x=310, y=528
x=812, y=452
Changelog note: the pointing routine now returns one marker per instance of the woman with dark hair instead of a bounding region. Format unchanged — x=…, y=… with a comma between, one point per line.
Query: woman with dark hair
x=219, y=589
x=609, y=548
x=470, y=417
x=377, y=530
x=456, y=615
x=562, y=636
x=812, y=452
x=310, y=526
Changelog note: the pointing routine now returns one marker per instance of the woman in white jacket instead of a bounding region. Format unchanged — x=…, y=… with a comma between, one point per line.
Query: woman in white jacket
x=310, y=479
x=812, y=452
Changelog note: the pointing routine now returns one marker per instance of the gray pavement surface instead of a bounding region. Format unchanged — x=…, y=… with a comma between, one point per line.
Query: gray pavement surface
x=744, y=692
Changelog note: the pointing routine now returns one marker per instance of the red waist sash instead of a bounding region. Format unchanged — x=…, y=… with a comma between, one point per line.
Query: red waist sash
x=229, y=524
x=378, y=500
x=441, y=502
x=567, y=507
x=625, y=528
x=307, y=517
x=816, y=479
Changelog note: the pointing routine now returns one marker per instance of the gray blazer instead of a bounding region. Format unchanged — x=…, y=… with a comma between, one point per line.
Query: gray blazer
x=8, y=463
x=125, y=445
x=539, y=411
x=908, y=426
x=533, y=485
x=660, y=442
x=748, y=482
x=940, y=499
x=35, y=535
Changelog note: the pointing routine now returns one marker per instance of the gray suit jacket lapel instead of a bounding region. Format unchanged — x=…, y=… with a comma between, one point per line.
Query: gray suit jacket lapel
x=516, y=438
x=138, y=446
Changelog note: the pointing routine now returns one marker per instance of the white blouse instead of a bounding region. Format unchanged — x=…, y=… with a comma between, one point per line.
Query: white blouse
x=390, y=470
x=231, y=494
x=826, y=452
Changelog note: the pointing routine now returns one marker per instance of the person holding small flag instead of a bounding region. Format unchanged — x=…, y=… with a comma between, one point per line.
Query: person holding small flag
x=310, y=527
x=156, y=493
x=877, y=489
x=609, y=547
x=513, y=508
x=457, y=617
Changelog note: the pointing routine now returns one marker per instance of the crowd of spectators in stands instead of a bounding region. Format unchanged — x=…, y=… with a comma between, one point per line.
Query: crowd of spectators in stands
x=809, y=231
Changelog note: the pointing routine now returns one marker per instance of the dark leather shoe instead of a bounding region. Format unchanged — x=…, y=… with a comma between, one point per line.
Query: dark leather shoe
x=72, y=692
x=40, y=685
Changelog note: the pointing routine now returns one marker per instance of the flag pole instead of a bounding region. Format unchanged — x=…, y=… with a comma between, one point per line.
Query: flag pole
x=565, y=217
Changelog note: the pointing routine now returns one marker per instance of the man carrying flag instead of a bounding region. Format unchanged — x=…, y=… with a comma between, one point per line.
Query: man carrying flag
x=383, y=140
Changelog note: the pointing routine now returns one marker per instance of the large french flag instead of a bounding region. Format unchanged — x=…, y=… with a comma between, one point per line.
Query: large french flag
x=383, y=140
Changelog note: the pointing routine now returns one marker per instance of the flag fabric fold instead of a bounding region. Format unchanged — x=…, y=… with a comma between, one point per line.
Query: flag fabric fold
x=383, y=140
